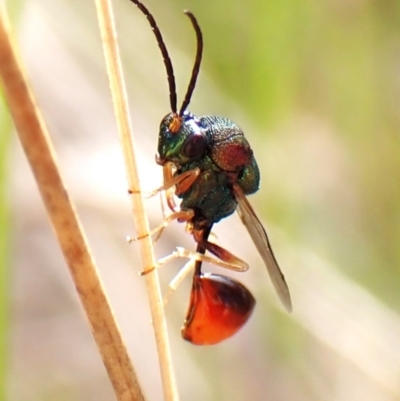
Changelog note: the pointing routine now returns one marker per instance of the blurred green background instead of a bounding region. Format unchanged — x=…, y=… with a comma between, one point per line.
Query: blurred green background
x=316, y=88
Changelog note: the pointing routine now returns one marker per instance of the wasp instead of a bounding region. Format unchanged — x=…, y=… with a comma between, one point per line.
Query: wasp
x=208, y=163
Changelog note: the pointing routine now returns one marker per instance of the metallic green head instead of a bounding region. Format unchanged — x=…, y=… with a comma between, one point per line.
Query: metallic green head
x=181, y=139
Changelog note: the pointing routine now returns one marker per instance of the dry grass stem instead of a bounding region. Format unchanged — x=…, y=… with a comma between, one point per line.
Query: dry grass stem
x=39, y=151
x=119, y=96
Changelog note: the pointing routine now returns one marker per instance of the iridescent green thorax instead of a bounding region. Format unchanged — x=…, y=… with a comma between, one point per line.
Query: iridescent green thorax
x=229, y=150
x=219, y=149
x=210, y=196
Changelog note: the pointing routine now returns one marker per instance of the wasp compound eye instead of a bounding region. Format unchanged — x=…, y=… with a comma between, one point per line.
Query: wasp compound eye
x=195, y=146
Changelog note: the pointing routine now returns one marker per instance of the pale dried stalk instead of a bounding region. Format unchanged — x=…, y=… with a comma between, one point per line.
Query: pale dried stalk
x=39, y=151
x=120, y=100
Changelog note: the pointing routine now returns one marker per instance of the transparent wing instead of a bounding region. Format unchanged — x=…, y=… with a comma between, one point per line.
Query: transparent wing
x=260, y=239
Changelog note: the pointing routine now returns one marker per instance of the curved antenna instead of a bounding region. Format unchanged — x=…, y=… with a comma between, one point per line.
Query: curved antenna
x=197, y=62
x=164, y=52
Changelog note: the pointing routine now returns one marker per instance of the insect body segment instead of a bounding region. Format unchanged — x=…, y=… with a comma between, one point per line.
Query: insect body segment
x=210, y=166
x=219, y=307
x=217, y=147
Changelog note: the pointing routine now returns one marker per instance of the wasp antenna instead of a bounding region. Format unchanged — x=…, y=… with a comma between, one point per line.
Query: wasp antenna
x=164, y=52
x=197, y=62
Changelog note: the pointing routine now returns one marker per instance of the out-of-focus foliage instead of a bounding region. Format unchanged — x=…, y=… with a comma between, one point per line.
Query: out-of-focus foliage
x=315, y=86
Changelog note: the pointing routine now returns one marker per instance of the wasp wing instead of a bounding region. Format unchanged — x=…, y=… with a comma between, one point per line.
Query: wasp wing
x=260, y=239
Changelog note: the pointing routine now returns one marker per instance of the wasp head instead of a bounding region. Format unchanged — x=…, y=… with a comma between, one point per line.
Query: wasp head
x=181, y=139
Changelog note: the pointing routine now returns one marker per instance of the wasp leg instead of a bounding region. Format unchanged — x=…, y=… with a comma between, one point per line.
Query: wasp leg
x=227, y=261
x=176, y=281
x=182, y=182
x=175, y=185
x=231, y=263
x=234, y=263
x=162, y=261
x=183, y=215
x=225, y=258
x=186, y=269
x=168, y=174
x=146, y=195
